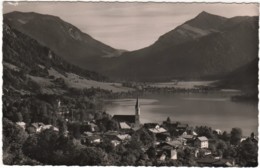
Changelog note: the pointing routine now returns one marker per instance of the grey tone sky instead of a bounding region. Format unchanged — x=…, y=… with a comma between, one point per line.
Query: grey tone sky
x=129, y=26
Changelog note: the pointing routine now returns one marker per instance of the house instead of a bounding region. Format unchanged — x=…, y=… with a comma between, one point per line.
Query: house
x=205, y=152
x=170, y=124
x=123, y=137
x=243, y=138
x=218, y=131
x=45, y=127
x=169, y=145
x=21, y=124
x=189, y=132
x=207, y=161
x=168, y=151
x=201, y=142
x=124, y=126
x=95, y=139
x=253, y=138
x=163, y=136
x=111, y=133
x=37, y=126
x=182, y=128
x=174, y=154
x=31, y=129
x=87, y=133
x=174, y=143
x=211, y=162
x=157, y=130
x=162, y=156
x=66, y=133
x=90, y=127
x=196, y=153
x=224, y=163
x=115, y=142
x=151, y=125
x=116, y=138
x=189, y=139
x=132, y=120
x=182, y=140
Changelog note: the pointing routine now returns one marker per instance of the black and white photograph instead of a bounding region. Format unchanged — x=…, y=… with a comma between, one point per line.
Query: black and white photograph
x=171, y=84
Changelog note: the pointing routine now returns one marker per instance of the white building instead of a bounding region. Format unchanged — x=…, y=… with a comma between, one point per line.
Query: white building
x=201, y=142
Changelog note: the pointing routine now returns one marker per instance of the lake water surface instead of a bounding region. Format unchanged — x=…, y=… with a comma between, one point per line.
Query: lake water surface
x=214, y=110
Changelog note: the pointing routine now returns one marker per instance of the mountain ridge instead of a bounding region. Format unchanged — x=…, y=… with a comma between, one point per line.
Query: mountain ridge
x=217, y=53
x=205, y=46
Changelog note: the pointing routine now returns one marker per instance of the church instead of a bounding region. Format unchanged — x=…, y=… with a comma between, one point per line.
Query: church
x=132, y=120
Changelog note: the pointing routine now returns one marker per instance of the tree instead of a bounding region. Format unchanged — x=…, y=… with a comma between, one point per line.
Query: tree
x=225, y=136
x=236, y=134
x=252, y=135
x=230, y=152
x=18, y=117
x=221, y=145
x=204, y=131
x=46, y=142
x=13, y=140
x=30, y=147
x=145, y=137
x=26, y=115
x=248, y=153
x=151, y=152
x=107, y=145
x=129, y=159
x=112, y=125
x=90, y=156
x=62, y=126
x=74, y=128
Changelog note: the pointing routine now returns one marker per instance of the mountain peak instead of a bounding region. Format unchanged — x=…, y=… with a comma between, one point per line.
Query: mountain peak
x=204, y=13
x=205, y=20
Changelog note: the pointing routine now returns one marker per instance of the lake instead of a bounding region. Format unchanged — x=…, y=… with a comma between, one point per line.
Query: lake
x=215, y=110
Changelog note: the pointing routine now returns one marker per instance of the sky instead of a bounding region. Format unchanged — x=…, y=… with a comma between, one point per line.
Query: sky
x=129, y=26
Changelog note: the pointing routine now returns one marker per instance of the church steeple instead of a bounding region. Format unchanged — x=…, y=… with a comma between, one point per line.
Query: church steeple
x=137, y=114
x=137, y=107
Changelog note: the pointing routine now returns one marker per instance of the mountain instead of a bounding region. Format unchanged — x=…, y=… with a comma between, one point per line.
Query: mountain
x=30, y=68
x=206, y=47
x=202, y=25
x=244, y=78
x=61, y=37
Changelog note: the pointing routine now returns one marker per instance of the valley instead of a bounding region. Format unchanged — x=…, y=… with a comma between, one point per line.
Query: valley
x=69, y=99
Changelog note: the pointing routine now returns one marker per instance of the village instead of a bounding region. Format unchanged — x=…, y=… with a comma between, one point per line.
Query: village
x=166, y=141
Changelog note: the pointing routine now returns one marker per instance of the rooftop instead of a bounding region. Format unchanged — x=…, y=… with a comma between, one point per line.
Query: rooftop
x=157, y=130
x=203, y=138
x=124, y=125
x=125, y=118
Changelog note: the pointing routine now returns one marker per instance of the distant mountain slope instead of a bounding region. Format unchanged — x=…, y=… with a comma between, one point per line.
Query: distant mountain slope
x=206, y=46
x=30, y=68
x=244, y=78
x=61, y=37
